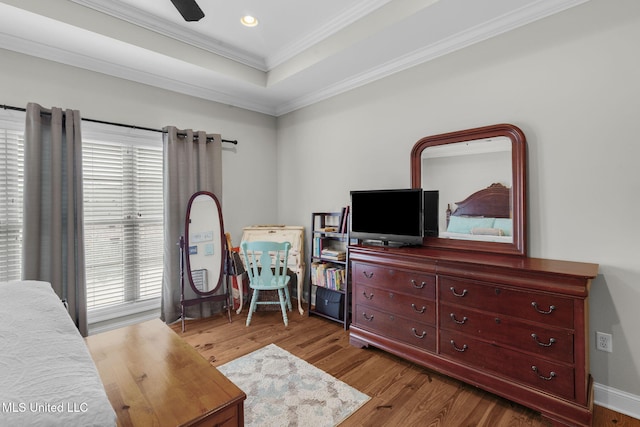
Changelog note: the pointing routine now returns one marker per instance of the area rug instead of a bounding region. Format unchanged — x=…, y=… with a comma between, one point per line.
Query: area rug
x=284, y=390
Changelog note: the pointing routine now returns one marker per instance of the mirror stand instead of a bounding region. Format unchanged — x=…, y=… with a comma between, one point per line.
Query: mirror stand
x=224, y=297
x=204, y=255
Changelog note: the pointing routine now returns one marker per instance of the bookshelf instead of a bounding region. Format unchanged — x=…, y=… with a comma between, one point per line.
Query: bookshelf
x=330, y=293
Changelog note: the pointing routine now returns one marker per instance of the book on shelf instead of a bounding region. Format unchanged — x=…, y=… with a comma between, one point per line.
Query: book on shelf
x=333, y=254
x=344, y=220
x=327, y=276
x=328, y=250
x=317, y=246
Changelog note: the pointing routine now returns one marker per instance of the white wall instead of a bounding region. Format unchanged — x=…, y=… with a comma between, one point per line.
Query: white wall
x=26, y=79
x=571, y=83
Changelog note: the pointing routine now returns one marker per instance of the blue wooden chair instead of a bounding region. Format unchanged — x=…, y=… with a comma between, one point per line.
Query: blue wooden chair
x=266, y=265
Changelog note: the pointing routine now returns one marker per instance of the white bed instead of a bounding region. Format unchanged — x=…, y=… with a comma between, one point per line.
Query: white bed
x=476, y=237
x=484, y=216
x=47, y=376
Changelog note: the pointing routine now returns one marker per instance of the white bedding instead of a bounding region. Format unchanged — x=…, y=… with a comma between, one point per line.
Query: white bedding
x=47, y=376
x=475, y=237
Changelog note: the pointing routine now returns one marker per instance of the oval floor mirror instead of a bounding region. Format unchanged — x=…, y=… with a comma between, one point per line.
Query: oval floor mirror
x=204, y=259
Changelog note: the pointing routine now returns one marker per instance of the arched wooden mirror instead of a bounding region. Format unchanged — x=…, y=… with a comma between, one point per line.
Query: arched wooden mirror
x=205, y=254
x=478, y=175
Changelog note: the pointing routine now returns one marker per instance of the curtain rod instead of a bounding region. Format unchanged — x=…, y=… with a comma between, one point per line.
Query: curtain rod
x=9, y=107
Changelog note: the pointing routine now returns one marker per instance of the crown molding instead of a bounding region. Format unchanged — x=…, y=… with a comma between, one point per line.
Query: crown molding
x=166, y=28
x=343, y=20
x=497, y=26
x=74, y=59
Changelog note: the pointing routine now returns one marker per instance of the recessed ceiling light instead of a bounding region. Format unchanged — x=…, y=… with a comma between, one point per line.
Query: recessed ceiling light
x=249, y=21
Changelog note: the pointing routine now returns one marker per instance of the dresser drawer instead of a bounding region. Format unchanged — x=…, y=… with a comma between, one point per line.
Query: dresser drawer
x=396, y=327
x=422, y=285
x=551, y=343
x=537, y=307
x=543, y=374
x=410, y=306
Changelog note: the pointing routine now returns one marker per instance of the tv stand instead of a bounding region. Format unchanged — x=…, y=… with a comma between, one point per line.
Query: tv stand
x=513, y=326
x=387, y=244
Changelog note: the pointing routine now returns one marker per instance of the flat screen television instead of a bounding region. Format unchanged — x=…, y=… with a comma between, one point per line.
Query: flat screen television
x=390, y=217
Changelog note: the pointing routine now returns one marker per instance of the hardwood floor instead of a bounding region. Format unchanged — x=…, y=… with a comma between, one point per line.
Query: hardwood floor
x=402, y=393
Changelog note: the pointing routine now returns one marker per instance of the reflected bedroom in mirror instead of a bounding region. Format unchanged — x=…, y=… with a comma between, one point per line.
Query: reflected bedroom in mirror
x=474, y=184
x=457, y=172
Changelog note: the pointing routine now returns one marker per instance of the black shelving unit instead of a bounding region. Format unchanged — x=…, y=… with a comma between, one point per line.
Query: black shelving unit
x=329, y=267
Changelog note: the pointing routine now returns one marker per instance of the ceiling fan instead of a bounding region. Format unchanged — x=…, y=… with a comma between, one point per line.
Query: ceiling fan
x=189, y=9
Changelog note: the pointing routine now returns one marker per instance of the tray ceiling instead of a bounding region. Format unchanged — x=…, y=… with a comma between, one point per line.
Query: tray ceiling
x=301, y=52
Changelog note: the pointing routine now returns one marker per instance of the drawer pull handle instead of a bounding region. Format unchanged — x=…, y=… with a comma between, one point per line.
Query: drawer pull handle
x=542, y=377
x=459, y=322
x=369, y=297
x=453, y=290
x=551, y=308
x=456, y=348
x=367, y=318
x=549, y=344
x=415, y=333
x=416, y=309
x=415, y=284
x=368, y=274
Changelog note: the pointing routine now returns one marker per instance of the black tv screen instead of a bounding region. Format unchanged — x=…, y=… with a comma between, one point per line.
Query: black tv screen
x=389, y=216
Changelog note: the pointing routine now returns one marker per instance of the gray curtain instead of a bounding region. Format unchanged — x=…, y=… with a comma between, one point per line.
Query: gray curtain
x=53, y=229
x=190, y=164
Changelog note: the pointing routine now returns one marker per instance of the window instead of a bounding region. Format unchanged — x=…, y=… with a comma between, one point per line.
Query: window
x=123, y=219
x=122, y=175
x=11, y=179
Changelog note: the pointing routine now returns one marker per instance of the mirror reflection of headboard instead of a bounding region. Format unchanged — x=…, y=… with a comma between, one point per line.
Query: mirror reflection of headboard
x=483, y=144
x=483, y=216
x=493, y=201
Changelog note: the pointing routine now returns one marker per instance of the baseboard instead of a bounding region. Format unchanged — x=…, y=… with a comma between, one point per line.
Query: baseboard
x=617, y=400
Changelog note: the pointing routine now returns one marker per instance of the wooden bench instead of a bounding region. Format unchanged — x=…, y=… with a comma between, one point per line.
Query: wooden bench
x=153, y=377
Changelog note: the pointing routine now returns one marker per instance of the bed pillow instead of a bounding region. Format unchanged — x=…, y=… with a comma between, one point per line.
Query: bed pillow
x=504, y=224
x=479, y=231
x=464, y=224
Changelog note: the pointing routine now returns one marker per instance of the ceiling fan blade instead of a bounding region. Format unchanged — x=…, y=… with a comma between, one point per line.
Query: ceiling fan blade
x=189, y=9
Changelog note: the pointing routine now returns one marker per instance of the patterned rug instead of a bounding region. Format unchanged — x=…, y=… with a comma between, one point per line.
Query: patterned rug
x=283, y=390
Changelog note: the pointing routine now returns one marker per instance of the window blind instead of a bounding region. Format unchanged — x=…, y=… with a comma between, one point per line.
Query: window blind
x=123, y=218
x=122, y=175
x=11, y=179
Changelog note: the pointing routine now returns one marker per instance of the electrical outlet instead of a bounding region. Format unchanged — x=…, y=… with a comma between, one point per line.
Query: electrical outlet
x=604, y=342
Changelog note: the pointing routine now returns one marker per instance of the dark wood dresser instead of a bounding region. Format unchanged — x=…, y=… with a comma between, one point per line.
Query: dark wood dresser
x=513, y=326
